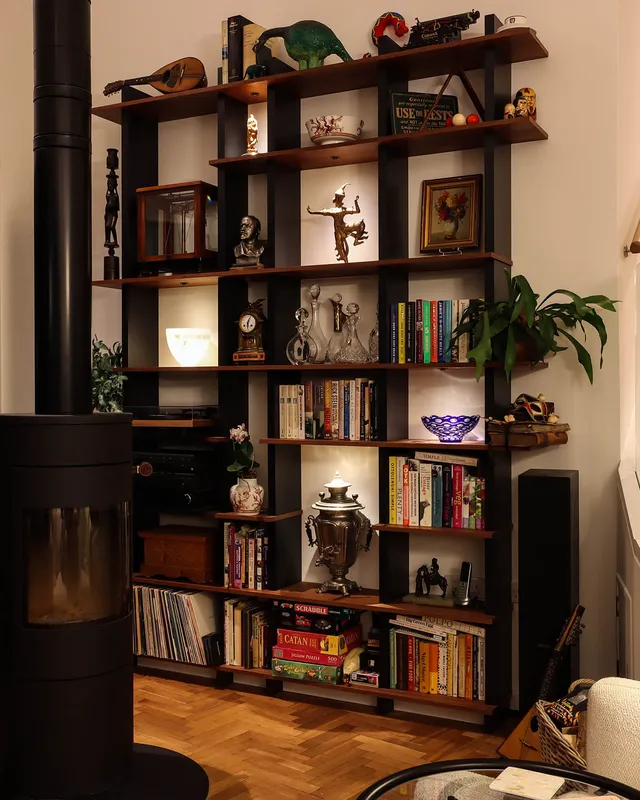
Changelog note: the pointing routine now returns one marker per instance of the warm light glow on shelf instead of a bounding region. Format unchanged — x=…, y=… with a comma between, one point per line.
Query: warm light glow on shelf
x=189, y=346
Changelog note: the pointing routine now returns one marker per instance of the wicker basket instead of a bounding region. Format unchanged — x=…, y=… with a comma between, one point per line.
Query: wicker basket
x=554, y=748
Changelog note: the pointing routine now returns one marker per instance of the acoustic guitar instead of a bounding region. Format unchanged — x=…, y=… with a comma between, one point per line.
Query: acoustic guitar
x=524, y=743
x=178, y=76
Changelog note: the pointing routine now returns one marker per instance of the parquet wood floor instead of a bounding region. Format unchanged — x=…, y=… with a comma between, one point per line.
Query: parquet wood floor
x=255, y=747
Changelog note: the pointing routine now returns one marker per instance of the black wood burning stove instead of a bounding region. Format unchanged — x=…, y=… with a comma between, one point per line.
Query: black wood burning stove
x=66, y=664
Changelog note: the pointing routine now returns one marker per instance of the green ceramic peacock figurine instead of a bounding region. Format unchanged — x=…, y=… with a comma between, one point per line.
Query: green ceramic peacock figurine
x=308, y=42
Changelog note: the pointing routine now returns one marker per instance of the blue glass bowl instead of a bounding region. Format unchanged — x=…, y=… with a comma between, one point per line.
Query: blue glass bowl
x=449, y=428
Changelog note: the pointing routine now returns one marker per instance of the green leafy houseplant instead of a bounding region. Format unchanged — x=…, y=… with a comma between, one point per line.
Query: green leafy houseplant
x=107, y=385
x=244, y=463
x=523, y=328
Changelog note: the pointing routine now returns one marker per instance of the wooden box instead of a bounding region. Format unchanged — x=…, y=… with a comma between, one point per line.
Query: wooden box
x=179, y=551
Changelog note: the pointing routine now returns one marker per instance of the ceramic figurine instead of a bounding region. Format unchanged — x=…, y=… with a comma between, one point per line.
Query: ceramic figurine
x=301, y=348
x=458, y=120
x=250, y=248
x=252, y=136
x=308, y=42
x=315, y=330
x=388, y=19
x=341, y=230
x=522, y=107
x=509, y=111
x=529, y=95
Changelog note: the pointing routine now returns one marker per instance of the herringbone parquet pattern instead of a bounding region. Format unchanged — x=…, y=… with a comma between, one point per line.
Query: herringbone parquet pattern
x=255, y=747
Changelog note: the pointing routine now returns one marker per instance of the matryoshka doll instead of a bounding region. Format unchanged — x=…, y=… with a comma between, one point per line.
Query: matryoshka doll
x=509, y=111
x=529, y=95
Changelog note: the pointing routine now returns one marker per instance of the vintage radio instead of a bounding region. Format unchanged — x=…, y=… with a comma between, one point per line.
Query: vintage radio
x=175, y=480
x=179, y=551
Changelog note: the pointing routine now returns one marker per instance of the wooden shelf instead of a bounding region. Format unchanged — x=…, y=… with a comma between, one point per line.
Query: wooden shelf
x=439, y=140
x=355, y=269
x=462, y=533
x=400, y=444
x=304, y=592
x=511, y=46
x=467, y=367
x=264, y=516
x=173, y=423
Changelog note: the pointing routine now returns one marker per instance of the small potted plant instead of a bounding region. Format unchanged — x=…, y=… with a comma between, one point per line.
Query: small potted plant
x=246, y=495
x=107, y=386
x=522, y=328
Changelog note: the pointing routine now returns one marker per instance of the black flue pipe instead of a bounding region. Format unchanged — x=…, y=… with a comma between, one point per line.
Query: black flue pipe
x=62, y=206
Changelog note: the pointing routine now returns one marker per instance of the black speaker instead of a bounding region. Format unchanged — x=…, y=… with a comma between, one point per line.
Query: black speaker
x=548, y=575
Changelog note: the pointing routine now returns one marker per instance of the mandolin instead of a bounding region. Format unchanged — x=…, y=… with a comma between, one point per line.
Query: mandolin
x=178, y=76
x=524, y=743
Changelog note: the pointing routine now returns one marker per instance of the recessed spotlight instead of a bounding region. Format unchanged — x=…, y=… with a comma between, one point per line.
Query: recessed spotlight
x=335, y=158
x=255, y=94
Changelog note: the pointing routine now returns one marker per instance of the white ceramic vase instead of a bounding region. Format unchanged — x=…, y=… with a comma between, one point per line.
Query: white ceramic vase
x=247, y=497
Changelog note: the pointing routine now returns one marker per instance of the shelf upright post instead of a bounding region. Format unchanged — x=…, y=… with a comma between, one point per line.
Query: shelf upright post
x=283, y=298
x=497, y=232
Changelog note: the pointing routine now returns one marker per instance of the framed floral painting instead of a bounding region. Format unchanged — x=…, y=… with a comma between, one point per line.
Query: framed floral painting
x=450, y=213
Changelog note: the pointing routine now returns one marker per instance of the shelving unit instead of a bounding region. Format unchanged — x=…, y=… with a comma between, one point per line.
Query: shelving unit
x=139, y=116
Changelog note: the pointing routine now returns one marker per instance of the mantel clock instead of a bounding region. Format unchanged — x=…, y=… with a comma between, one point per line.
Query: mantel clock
x=250, y=334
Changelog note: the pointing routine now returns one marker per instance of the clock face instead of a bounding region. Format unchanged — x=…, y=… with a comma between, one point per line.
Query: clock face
x=247, y=323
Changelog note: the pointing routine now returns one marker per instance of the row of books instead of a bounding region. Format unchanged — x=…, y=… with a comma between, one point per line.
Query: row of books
x=238, y=37
x=436, y=656
x=246, y=557
x=421, y=332
x=342, y=409
x=247, y=633
x=175, y=624
x=436, y=491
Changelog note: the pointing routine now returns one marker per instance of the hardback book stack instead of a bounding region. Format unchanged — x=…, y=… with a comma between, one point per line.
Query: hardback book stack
x=421, y=332
x=438, y=656
x=247, y=627
x=342, y=409
x=312, y=641
x=175, y=624
x=246, y=557
x=238, y=37
x=436, y=490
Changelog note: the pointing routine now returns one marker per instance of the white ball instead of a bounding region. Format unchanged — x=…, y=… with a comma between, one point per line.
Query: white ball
x=459, y=119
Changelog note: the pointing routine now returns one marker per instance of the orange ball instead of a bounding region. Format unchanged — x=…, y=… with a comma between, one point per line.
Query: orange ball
x=473, y=119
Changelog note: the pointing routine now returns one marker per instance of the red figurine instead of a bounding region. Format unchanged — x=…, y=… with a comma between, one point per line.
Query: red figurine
x=400, y=27
x=473, y=119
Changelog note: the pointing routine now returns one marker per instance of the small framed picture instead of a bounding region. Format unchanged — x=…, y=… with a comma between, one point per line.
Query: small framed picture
x=450, y=213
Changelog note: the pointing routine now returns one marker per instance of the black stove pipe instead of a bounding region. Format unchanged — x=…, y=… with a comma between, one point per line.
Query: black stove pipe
x=62, y=205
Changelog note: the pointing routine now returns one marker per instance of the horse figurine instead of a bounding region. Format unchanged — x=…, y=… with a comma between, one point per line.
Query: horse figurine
x=428, y=577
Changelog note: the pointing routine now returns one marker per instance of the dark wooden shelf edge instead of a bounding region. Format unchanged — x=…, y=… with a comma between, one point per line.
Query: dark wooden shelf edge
x=400, y=444
x=444, y=701
x=458, y=533
x=262, y=517
x=442, y=367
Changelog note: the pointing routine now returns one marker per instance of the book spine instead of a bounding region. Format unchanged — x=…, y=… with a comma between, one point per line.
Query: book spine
x=252, y=560
x=441, y=315
x=419, y=332
x=468, y=666
x=444, y=458
x=414, y=494
x=259, y=560
x=481, y=670
x=411, y=685
x=402, y=333
x=423, y=649
x=374, y=409
x=236, y=48
x=245, y=561
x=447, y=495
x=433, y=669
x=436, y=491
x=456, y=642
x=265, y=562
x=457, y=496
x=282, y=406
x=400, y=462
x=363, y=410
x=392, y=659
x=237, y=560
x=433, y=633
x=403, y=642
x=394, y=333
x=448, y=315
x=451, y=638
x=426, y=331
x=434, y=331
x=463, y=341
x=466, y=496
x=346, y=394
x=425, y=496
x=327, y=409
x=442, y=668
x=410, y=337
x=462, y=672
x=480, y=516
x=318, y=410
x=309, y=428
x=472, y=502
x=301, y=412
x=475, y=667
x=454, y=324
x=227, y=525
x=225, y=51
x=340, y=409
x=405, y=495
x=367, y=411
x=353, y=435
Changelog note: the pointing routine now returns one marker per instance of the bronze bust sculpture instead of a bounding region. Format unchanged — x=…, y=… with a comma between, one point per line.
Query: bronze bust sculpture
x=251, y=247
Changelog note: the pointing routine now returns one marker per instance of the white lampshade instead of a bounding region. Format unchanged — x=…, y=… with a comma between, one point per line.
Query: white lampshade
x=189, y=346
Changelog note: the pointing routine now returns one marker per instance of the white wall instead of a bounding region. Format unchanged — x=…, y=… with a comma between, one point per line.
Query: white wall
x=565, y=230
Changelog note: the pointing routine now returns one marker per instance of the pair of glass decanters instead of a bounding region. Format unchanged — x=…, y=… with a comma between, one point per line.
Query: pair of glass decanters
x=309, y=344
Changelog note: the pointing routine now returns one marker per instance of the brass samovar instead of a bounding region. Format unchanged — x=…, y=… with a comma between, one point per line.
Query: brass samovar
x=338, y=530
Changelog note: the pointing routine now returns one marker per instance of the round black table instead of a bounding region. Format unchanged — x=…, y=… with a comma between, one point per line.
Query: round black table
x=381, y=789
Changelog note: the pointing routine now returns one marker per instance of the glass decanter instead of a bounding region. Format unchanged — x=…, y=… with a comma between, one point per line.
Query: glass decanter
x=352, y=351
x=301, y=348
x=315, y=331
x=336, y=341
x=374, y=341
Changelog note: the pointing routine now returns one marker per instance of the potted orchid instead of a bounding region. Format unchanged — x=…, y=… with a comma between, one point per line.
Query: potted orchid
x=246, y=495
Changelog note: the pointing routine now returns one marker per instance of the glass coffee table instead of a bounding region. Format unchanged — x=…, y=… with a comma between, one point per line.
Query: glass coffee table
x=469, y=780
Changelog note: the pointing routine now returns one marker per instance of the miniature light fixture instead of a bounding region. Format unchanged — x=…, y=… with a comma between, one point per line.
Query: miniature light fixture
x=189, y=346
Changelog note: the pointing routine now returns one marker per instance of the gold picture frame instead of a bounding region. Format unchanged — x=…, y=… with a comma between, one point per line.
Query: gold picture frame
x=450, y=213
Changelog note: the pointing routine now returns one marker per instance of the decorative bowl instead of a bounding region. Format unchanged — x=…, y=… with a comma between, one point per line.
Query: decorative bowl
x=450, y=428
x=189, y=346
x=334, y=128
